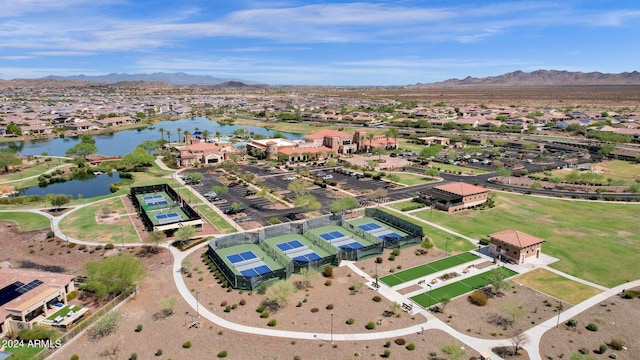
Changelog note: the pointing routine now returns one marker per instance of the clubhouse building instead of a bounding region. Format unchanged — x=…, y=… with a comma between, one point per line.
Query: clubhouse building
x=514, y=246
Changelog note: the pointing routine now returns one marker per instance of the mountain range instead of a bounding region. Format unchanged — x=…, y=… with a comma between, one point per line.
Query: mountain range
x=179, y=78
x=545, y=78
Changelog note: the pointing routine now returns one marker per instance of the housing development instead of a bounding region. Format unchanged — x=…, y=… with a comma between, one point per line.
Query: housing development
x=146, y=220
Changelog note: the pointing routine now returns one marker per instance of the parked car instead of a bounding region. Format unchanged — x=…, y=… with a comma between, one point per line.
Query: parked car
x=290, y=177
x=270, y=168
x=210, y=194
x=231, y=211
x=233, y=183
x=327, y=177
x=250, y=192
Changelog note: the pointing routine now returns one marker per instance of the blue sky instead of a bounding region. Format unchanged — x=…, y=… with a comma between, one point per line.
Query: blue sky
x=317, y=42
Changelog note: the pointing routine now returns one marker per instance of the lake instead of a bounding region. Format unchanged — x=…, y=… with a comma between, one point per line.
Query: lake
x=92, y=187
x=123, y=142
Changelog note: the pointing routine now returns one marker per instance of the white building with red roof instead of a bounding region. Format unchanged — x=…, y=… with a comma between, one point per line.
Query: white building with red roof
x=514, y=246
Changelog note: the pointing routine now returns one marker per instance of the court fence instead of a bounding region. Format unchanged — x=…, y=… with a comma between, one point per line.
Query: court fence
x=191, y=214
x=414, y=232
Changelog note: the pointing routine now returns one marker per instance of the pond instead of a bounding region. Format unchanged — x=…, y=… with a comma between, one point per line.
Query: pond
x=123, y=142
x=94, y=185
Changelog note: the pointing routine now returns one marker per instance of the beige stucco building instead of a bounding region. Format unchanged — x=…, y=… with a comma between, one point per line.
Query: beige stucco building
x=514, y=246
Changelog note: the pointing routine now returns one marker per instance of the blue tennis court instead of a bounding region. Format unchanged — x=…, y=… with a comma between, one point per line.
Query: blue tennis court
x=293, y=244
x=307, y=258
x=243, y=256
x=258, y=270
x=354, y=245
x=369, y=226
x=167, y=218
x=390, y=236
x=158, y=203
x=332, y=235
x=152, y=197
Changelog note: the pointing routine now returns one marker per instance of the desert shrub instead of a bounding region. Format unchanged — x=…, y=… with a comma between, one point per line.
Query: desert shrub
x=109, y=246
x=328, y=271
x=411, y=346
x=186, y=344
x=350, y=321
x=242, y=302
x=227, y=308
x=392, y=257
x=602, y=349
x=572, y=323
x=138, y=328
x=71, y=245
x=50, y=234
x=592, y=327
x=272, y=322
x=617, y=344
x=376, y=298
x=379, y=260
x=328, y=282
x=72, y=295
x=264, y=315
x=479, y=298
x=387, y=344
x=329, y=307
x=223, y=303
x=133, y=356
x=613, y=356
x=583, y=351
x=262, y=289
x=314, y=310
x=400, y=341
x=370, y=325
x=75, y=357
x=223, y=354
x=82, y=247
x=386, y=353
x=158, y=352
x=395, y=252
x=260, y=308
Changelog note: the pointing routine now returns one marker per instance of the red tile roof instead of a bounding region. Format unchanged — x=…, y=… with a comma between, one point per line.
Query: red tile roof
x=462, y=189
x=324, y=133
x=310, y=150
x=516, y=238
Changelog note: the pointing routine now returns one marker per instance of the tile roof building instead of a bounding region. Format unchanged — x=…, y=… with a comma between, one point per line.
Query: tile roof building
x=514, y=246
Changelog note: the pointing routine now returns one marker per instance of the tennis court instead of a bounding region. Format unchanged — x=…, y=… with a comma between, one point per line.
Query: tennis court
x=431, y=297
x=381, y=232
x=289, y=245
x=255, y=271
x=426, y=269
x=239, y=257
x=333, y=235
x=167, y=218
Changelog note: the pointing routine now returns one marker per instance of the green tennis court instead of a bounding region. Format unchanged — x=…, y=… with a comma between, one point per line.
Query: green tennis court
x=426, y=269
x=457, y=288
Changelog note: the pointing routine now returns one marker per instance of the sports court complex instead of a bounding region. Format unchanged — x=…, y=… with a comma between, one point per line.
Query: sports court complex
x=284, y=249
x=162, y=209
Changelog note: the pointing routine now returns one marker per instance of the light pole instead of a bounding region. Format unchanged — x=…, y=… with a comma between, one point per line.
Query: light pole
x=331, y=328
x=121, y=237
x=446, y=247
x=197, y=305
x=559, y=312
x=376, y=274
x=429, y=285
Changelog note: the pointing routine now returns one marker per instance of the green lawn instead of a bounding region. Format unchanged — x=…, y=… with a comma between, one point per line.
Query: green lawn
x=24, y=352
x=87, y=225
x=595, y=241
x=27, y=221
x=426, y=269
x=406, y=205
x=624, y=170
x=439, y=237
x=32, y=170
x=215, y=219
x=545, y=281
x=456, y=289
x=64, y=311
x=408, y=179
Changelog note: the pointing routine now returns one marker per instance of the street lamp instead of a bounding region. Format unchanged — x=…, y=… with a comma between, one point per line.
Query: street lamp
x=197, y=305
x=121, y=237
x=429, y=285
x=446, y=247
x=331, y=328
x=376, y=274
x=559, y=312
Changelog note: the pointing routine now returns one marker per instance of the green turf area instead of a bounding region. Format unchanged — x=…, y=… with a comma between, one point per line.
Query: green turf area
x=214, y=218
x=569, y=291
x=406, y=205
x=457, y=288
x=27, y=221
x=88, y=224
x=24, y=352
x=426, y=269
x=595, y=241
x=64, y=311
x=408, y=178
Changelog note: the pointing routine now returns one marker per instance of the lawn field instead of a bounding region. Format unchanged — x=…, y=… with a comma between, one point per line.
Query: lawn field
x=426, y=269
x=408, y=179
x=618, y=169
x=457, y=288
x=545, y=281
x=26, y=221
x=86, y=224
x=595, y=241
x=403, y=205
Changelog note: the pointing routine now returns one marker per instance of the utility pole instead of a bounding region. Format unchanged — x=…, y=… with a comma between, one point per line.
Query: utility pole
x=331, y=328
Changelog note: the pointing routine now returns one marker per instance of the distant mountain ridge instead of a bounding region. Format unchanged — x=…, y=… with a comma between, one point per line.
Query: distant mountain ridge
x=179, y=78
x=545, y=78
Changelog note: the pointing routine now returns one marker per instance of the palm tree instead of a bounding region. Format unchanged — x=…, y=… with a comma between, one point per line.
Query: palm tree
x=186, y=133
x=161, y=130
x=370, y=138
x=205, y=134
x=179, y=130
x=392, y=133
x=169, y=135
